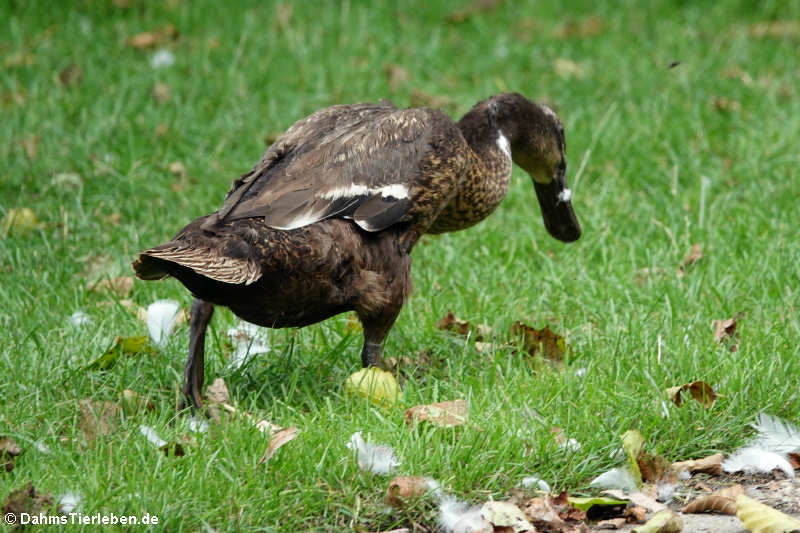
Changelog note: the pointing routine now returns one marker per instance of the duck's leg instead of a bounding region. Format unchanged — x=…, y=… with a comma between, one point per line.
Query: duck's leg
x=194, y=373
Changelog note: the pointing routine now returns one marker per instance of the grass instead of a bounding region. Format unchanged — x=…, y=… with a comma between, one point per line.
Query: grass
x=705, y=152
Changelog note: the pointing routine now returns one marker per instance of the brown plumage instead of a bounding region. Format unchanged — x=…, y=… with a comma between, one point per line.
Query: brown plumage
x=324, y=223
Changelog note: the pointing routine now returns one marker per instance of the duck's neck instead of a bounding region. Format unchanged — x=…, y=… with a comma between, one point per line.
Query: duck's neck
x=488, y=173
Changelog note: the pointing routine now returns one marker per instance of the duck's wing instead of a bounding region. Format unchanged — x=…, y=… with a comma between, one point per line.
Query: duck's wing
x=351, y=161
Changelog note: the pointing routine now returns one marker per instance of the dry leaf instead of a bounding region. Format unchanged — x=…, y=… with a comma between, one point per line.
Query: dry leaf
x=700, y=391
x=760, y=518
x=611, y=523
x=161, y=92
x=542, y=342
x=588, y=27
x=475, y=8
x=635, y=514
x=8, y=450
x=97, y=417
x=176, y=168
x=506, y=515
x=655, y=468
x=395, y=75
x=120, y=346
x=278, y=439
x=723, y=501
x=794, y=460
x=709, y=465
x=725, y=333
x=71, y=75
x=543, y=512
x=218, y=400
x=665, y=521
x=694, y=255
x=19, y=221
x=150, y=39
x=442, y=414
x=26, y=500
x=403, y=490
x=567, y=68
x=120, y=286
x=30, y=144
x=420, y=98
x=450, y=322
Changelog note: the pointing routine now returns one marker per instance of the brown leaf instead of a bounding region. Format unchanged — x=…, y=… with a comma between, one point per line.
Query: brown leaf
x=708, y=465
x=588, y=27
x=420, y=98
x=97, y=417
x=8, y=450
x=452, y=323
x=542, y=512
x=700, y=391
x=161, y=92
x=395, y=75
x=725, y=333
x=25, y=500
x=694, y=255
x=149, y=39
x=30, y=144
x=794, y=460
x=723, y=501
x=443, y=414
x=120, y=286
x=278, y=439
x=635, y=514
x=71, y=75
x=217, y=398
x=475, y=8
x=403, y=490
x=655, y=468
x=542, y=342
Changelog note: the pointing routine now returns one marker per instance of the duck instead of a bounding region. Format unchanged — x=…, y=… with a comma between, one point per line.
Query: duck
x=325, y=221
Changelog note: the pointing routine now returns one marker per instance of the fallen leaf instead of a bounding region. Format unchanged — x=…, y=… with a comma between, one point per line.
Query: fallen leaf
x=374, y=384
x=635, y=514
x=586, y=503
x=725, y=333
x=19, y=221
x=507, y=515
x=161, y=92
x=760, y=518
x=708, y=465
x=149, y=39
x=700, y=391
x=665, y=521
x=450, y=322
x=632, y=443
x=278, y=439
x=71, y=75
x=26, y=500
x=30, y=144
x=475, y=8
x=396, y=75
x=727, y=105
x=794, y=460
x=723, y=501
x=97, y=418
x=121, y=286
x=611, y=523
x=568, y=69
x=694, y=255
x=120, y=346
x=542, y=342
x=638, y=498
x=176, y=168
x=542, y=511
x=403, y=490
x=8, y=450
x=442, y=414
x=588, y=27
x=655, y=468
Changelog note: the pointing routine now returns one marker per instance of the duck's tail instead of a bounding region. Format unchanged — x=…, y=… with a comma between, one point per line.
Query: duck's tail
x=218, y=261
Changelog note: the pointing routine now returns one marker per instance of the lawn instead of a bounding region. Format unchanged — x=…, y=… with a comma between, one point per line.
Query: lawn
x=683, y=126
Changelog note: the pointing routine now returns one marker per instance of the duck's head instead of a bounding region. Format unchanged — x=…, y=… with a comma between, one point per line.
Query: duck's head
x=536, y=138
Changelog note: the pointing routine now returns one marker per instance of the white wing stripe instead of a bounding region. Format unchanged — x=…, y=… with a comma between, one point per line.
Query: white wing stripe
x=397, y=190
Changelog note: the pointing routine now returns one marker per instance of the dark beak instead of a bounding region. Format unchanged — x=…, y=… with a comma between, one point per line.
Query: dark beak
x=559, y=218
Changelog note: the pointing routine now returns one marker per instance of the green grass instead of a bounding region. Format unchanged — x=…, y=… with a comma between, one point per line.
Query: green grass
x=645, y=137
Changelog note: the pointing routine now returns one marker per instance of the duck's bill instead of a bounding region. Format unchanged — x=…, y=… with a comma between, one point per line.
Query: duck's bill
x=559, y=217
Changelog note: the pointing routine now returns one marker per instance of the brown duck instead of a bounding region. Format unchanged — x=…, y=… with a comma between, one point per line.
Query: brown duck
x=325, y=221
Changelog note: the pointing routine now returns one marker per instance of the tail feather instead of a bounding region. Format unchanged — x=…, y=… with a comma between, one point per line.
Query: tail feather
x=153, y=264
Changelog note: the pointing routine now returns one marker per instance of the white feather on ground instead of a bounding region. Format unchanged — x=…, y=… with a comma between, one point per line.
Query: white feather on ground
x=161, y=317
x=79, y=318
x=534, y=481
x=69, y=502
x=152, y=436
x=753, y=460
x=459, y=517
x=247, y=340
x=776, y=435
x=377, y=458
x=616, y=478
